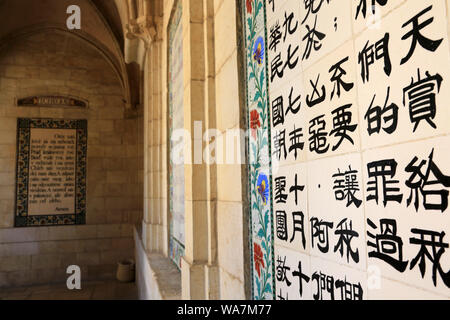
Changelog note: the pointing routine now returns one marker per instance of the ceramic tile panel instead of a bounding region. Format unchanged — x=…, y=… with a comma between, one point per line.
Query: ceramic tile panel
x=365, y=148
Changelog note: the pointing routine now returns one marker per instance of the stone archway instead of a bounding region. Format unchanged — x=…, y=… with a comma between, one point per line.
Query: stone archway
x=39, y=56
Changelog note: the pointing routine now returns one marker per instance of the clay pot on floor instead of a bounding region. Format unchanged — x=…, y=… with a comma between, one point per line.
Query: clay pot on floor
x=125, y=271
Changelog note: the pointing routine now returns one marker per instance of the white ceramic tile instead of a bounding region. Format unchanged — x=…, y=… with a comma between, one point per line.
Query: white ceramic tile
x=328, y=202
x=331, y=281
x=333, y=20
x=320, y=73
x=387, y=289
x=287, y=208
x=406, y=217
x=290, y=123
x=282, y=22
x=401, y=76
x=370, y=17
x=288, y=275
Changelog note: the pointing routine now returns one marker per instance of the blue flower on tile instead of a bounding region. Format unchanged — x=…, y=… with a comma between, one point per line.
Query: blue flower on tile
x=258, y=51
x=263, y=187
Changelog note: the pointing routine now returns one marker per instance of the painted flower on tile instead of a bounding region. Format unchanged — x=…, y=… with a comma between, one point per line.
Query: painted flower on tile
x=254, y=122
x=249, y=6
x=258, y=257
x=263, y=187
x=258, y=51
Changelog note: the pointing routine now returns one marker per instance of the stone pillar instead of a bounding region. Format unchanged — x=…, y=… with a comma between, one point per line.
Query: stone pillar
x=199, y=274
x=144, y=47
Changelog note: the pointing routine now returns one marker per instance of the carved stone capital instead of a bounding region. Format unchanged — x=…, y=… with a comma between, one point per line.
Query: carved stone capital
x=143, y=28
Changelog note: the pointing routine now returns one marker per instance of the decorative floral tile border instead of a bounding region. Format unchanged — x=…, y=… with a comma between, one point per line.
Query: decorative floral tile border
x=176, y=248
x=261, y=218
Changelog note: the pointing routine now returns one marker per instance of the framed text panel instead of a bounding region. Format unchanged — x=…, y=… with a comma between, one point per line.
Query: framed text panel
x=50, y=172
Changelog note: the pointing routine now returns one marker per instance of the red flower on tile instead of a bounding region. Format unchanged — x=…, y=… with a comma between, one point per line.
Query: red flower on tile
x=258, y=257
x=254, y=122
x=249, y=6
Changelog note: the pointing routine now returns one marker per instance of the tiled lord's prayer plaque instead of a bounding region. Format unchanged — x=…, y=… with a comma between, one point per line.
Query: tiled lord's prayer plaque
x=50, y=172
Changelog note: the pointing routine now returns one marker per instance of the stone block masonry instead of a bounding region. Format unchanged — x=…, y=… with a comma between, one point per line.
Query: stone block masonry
x=51, y=63
x=35, y=256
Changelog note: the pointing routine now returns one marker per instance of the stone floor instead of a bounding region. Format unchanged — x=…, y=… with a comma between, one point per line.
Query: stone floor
x=98, y=290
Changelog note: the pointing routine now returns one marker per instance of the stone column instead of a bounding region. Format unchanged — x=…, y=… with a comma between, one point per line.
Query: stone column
x=199, y=273
x=143, y=46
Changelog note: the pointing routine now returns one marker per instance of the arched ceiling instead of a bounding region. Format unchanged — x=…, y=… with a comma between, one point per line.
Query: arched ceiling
x=119, y=29
x=111, y=13
x=103, y=23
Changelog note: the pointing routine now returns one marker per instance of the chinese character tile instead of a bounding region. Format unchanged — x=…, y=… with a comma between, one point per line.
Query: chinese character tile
x=336, y=210
x=325, y=25
x=289, y=131
x=368, y=14
x=331, y=103
x=403, y=93
x=284, y=48
x=406, y=191
x=331, y=281
x=293, y=275
x=290, y=207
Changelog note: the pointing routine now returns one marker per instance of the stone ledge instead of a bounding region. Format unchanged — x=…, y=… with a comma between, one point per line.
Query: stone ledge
x=157, y=278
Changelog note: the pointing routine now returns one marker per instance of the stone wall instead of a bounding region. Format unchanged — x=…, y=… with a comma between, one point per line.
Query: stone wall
x=41, y=255
x=230, y=177
x=213, y=265
x=54, y=63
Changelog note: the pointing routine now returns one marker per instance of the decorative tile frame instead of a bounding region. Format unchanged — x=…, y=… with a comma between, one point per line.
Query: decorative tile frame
x=259, y=148
x=24, y=126
x=176, y=247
